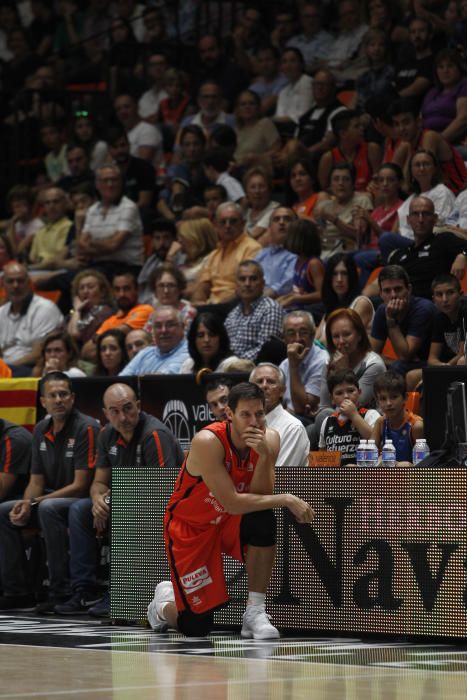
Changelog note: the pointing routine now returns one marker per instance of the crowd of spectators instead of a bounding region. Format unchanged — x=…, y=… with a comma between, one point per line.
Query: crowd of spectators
x=280, y=193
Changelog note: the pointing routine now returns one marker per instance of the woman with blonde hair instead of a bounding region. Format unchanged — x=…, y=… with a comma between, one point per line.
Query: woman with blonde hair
x=197, y=238
x=92, y=304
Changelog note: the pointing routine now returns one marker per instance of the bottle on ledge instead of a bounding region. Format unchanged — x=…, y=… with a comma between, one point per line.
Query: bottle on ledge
x=372, y=454
x=420, y=450
x=388, y=455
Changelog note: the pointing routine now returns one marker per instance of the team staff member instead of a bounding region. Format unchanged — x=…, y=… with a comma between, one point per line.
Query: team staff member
x=62, y=464
x=223, y=502
x=15, y=458
x=130, y=437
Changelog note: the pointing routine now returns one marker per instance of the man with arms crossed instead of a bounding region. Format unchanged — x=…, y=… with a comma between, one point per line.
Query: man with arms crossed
x=222, y=503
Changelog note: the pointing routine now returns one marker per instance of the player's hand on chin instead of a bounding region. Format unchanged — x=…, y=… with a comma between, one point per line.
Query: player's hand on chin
x=302, y=511
x=256, y=439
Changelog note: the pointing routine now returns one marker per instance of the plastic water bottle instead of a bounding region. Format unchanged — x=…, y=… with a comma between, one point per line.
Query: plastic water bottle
x=388, y=454
x=361, y=453
x=372, y=454
x=420, y=450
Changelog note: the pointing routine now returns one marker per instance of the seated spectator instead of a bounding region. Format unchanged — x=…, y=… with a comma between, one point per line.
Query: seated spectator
x=60, y=475
x=48, y=248
x=163, y=239
x=170, y=349
x=444, y=107
x=258, y=187
x=111, y=353
x=168, y=284
x=197, y=238
x=268, y=81
x=304, y=365
x=138, y=175
x=137, y=340
x=315, y=126
x=257, y=136
x=216, y=166
x=248, y=34
x=378, y=82
x=381, y=221
x=112, y=236
x=210, y=112
x=256, y=319
x=124, y=53
x=130, y=314
x=351, y=148
x=342, y=229
x=295, y=98
x=450, y=325
x=278, y=263
x=78, y=167
x=6, y=253
x=349, y=346
x=385, y=14
x=429, y=254
x=457, y=220
x=53, y=139
x=92, y=305
x=314, y=42
x=173, y=107
x=302, y=187
x=414, y=65
x=345, y=57
x=404, y=319
x=15, y=458
x=425, y=179
x=208, y=345
x=58, y=354
x=150, y=101
x=25, y=319
x=155, y=36
x=225, y=138
x=215, y=66
x=23, y=225
x=84, y=133
x=145, y=139
x=217, y=395
x=218, y=278
x=304, y=242
x=408, y=128
x=342, y=430
x=397, y=423
x=295, y=444
x=284, y=27
x=341, y=290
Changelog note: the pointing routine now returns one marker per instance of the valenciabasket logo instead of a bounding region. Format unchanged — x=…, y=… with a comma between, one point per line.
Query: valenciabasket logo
x=175, y=417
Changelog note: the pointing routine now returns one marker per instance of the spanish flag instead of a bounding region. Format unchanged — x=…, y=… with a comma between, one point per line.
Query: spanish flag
x=18, y=401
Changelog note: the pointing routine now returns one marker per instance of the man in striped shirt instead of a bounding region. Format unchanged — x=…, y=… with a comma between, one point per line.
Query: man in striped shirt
x=131, y=437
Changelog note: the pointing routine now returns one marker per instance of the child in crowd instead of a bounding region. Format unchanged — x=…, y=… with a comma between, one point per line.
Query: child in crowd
x=216, y=165
x=449, y=327
x=397, y=424
x=377, y=82
x=342, y=430
x=55, y=162
x=351, y=148
x=303, y=240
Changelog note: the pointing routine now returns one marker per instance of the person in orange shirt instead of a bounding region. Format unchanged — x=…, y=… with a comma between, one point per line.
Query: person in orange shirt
x=130, y=314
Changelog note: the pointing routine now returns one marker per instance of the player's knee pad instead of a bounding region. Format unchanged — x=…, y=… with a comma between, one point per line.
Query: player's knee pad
x=259, y=529
x=192, y=625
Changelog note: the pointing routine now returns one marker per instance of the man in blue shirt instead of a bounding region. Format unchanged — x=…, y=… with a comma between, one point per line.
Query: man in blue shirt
x=405, y=319
x=277, y=262
x=170, y=348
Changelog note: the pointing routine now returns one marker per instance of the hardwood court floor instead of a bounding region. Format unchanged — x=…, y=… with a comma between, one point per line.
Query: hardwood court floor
x=67, y=659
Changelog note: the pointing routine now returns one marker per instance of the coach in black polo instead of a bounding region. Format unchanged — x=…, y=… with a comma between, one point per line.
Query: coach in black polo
x=131, y=438
x=15, y=458
x=62, y=465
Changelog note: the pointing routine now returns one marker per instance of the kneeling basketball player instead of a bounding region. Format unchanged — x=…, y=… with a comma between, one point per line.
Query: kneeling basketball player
x=222, y=503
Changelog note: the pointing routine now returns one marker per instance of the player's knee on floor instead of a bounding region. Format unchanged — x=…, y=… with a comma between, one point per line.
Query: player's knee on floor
x=259, y=529
x=192, y=625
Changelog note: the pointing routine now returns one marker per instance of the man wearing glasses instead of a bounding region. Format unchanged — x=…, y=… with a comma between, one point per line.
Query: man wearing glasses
x=170, y=348
x=217, y=282
x=304, y=365
x=62, y=466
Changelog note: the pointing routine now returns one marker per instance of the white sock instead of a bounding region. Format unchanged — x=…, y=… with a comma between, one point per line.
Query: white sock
x=258, y=599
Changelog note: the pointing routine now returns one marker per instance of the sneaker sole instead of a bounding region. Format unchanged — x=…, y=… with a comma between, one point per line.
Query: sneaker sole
x=246, y=634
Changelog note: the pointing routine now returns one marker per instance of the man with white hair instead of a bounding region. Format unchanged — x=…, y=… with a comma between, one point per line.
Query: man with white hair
x=304, y=365
x=218, y=278
x=295, y=444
